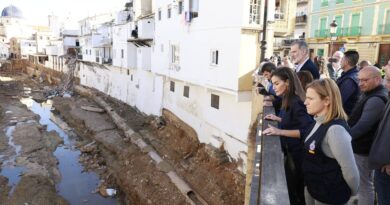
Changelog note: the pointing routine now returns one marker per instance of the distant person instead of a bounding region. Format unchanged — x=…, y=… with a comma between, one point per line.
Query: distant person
x=364, y=121
x=300, y=56
x=266, y=71
x=305, y=78
x=293, y=121
x=329, y=167
x=379, y=157
x=348, y=81
x=334, y=65
x=322, y=68
x=287, y=63
x=364, y=63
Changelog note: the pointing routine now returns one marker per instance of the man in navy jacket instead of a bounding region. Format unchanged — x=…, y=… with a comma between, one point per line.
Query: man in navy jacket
x=300, y=56
x=348, y=82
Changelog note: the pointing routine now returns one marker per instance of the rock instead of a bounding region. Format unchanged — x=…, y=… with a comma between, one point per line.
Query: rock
x=88, y=148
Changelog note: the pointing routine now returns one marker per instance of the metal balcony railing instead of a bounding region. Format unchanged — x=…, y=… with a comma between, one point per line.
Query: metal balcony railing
x=351, y=31
x=302, y=1
x=384, y=29
x=301, y=19
x=321, y=33
x=346, y=31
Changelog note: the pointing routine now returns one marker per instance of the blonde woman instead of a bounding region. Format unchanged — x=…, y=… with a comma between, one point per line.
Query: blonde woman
x=329, y=168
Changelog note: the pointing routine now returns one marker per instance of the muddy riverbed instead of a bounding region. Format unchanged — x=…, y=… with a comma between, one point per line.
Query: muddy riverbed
x=55, y=152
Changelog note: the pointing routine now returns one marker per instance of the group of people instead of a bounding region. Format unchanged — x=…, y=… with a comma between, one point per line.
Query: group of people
x=334, y=129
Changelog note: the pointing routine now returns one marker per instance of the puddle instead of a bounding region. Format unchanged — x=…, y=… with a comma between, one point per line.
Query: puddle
x=8, y=169
x=13, y=174
x=76, y=186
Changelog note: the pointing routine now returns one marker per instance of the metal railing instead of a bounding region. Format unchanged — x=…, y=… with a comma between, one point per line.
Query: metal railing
x=351, y=31
x=384, y=29
x=346, y=31
x=301, y=19
x=269, y=186
x=321, y=33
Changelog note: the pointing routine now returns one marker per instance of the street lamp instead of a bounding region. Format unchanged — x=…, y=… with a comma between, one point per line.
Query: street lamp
x=263, y=46
x=333, y=35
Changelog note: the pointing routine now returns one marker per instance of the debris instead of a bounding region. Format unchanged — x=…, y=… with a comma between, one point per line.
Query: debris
x=92, y=109
x=158, y=122
x=66, y=95
x=111, y=192
x=88, y=148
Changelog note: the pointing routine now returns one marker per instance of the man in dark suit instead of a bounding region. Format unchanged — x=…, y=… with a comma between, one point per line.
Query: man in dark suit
x=300, y=56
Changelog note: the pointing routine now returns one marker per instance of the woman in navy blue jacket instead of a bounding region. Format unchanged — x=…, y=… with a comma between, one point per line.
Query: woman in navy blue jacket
x=293, y=122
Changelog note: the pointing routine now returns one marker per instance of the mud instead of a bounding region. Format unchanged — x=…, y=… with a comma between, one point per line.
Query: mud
x=31, y=153
x=209, y=171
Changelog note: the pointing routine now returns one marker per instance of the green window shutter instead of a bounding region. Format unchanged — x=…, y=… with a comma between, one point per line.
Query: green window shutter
x=323, y=27
x=355, y=25
x=320, y=52
x=339, y=20
x=387, y=23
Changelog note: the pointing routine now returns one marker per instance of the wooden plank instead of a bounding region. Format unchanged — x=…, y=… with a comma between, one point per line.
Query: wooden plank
x=92, y=109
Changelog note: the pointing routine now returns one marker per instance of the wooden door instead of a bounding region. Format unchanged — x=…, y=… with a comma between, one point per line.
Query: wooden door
x=384, y=54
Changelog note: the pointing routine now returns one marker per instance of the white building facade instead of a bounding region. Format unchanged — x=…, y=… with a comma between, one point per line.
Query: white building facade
x=207, y=58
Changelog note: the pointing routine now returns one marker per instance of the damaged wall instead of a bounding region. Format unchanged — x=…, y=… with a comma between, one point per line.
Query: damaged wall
x=227, y=126
x=138, y=88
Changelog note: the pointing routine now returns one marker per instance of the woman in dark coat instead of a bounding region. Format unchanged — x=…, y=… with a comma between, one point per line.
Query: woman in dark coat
x=293, y=122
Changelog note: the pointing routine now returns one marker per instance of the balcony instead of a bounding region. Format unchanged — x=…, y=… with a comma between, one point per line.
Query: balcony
x=288, y=42
x=321, y=33
x=302, y=1
x=279, y=15
x=351, y=31
x=301, y=20
x=347, y=31
x=383, y=29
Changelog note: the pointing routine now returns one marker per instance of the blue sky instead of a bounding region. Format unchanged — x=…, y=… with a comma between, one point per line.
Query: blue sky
x=36, y=11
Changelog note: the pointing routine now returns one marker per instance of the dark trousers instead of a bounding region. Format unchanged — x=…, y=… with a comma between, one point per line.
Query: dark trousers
x=294, y=177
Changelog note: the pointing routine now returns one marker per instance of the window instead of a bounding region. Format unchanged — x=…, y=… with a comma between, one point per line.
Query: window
x=122, y=53
x=162, y=48
x=131, y=77
x=169, y=11
x=180, y=7
x=194, y=8
x=324, y=3
x=186, y=91
x=214, y=57
x=215, y=101
x=159, y=14
x=114, y=53
x=355, y=25
x=254, y=12
x=320, y=52
x=175, y=54
x=339, y=21
x=339, y=1
x=172, y=86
